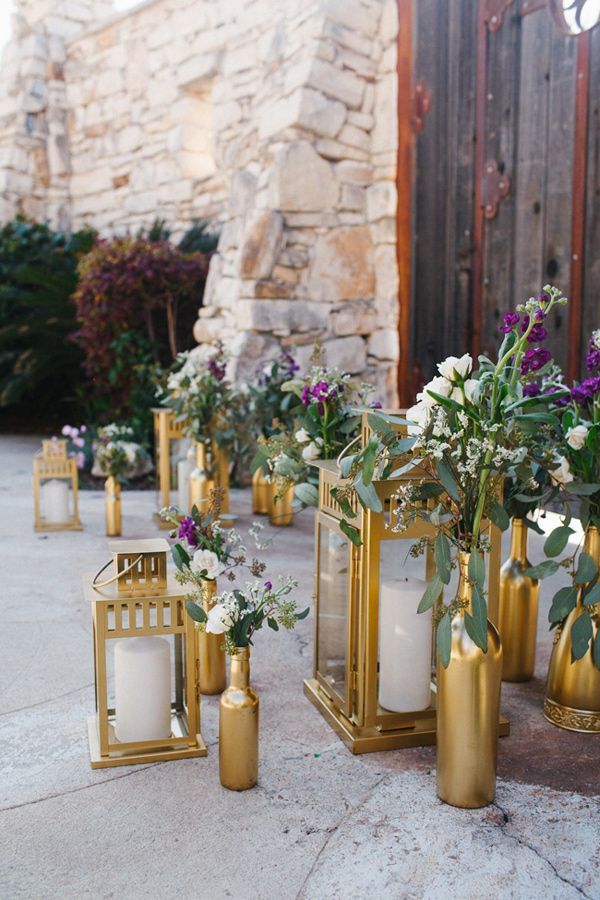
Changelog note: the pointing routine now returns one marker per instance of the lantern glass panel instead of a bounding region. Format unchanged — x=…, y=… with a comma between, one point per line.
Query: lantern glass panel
x=333, y=595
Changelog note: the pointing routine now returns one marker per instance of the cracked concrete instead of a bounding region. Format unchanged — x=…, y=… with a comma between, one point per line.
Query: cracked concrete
x=320, y=824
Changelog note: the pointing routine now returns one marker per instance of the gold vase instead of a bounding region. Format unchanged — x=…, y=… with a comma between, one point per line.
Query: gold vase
x=212, y=669
x=200, y=484
x=220, y=473
x=261, y=494
x=112, y=506
x=468, y=710
x=281, y=512
x=573, y=687
x=518, y=610
x=238, y=727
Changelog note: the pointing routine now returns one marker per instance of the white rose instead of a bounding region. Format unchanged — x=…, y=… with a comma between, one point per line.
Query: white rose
x=453, y=366
x=302, y=436
x=311, y=451
x=562, y=474
x=439, y=385
x=417, y=417
x=577, y=436
x=206, y=559
x=219, y=619
x=466, y=392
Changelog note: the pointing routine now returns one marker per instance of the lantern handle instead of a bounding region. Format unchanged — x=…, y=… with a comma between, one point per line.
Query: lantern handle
x=345, y=449
x=110, y=580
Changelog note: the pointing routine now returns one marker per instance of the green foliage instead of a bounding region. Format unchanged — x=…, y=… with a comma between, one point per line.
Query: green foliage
x=39, y=366
x=199, y=239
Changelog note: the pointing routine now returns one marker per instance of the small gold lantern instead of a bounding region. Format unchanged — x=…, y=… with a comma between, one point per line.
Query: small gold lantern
x=55, y=483
x=141, y=600
x=346, y=671
x=167, y=430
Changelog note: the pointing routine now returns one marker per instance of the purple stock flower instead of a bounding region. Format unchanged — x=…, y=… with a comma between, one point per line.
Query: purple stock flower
x=585, y=391
x=538, y=333
x=531, y=390
x=269, y=585
x=376, y=404
x=217, y=370
x=305, y=395
x=510, y=320
x=535, y=359
x=187, y=531
x=592, y=360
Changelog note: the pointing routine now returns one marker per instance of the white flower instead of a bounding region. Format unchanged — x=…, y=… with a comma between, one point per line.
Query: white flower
x=219, y=619
x=417, y=416
x=302, y=436
x=311, y=451
x=562, y=474
x=438, y=385
x=577, y=436
x=206, y=559
x=466, y=392
x=453, y=366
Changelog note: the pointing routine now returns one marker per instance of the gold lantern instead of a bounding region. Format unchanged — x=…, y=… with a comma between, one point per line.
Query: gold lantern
x=167, y=429
x=55, y=483
x=345, y=685
x=140, y=600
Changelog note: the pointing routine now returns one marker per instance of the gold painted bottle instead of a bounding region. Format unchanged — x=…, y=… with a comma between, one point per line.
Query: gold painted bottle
x=468, y=710
x=518, y=609
x=261, y=494
x=281, y=512
x=212, y=668
x=200, y=485
x=573, y=688
x=238, y=727
x=112, y=506
x=220, y=468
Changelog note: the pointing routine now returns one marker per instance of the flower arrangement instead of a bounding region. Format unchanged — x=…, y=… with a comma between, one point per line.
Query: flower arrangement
x=116, y=453
x=271, y=409
x=204, y=549
x=199, y=391
x=238, y=615
x=79, y=444
x=466, y=432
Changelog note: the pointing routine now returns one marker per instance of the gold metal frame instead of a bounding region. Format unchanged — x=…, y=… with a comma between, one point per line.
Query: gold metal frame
x=166, y=429
x=53, y=461
x=357, y=717
x=119, y=615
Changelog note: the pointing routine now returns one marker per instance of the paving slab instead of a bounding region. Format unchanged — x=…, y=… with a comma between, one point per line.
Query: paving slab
x=320, y=824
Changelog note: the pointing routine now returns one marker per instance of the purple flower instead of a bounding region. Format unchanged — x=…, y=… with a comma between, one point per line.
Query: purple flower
x=534, y=360
x=376, y=404
x=321, y=390
x=305, y=395
x=510, y=320
x=269, y=585
x=187, y=531
x=592, y=360
x=582, y=393
x=531, y=390
x=217, y=370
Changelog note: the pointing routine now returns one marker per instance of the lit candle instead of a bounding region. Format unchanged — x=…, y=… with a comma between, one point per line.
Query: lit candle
x=404, y=646
x=55, y=502
x=185, y=467
x=142, y=689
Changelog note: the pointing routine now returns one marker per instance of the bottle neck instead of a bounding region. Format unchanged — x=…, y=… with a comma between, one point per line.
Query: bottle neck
x=592, y=543
x=518, y=541
x=240, y=668
x=464, y=587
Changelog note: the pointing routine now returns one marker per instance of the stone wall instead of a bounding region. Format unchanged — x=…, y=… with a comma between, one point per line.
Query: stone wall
x=277, y=119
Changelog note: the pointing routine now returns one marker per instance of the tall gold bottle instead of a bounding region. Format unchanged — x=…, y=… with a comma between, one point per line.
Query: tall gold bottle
x=220, y=473
x=281, y=512
x=518, y=610
x=468, y=710
x=112, y=506
x=200, y=485
x=261, y=494
x=212, y=668
x=573, y=687
x=238, y=727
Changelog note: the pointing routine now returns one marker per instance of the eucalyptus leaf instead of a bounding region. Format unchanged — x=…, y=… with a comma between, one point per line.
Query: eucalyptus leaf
x=557, y=540
x=367, y=495
x=477, y=568
x=343, y=503
x=444, y=639
x=479, y=608
x=447, y=479
x=403, y=445
x=369, y=456
x=592, y=595
x=586, y=568
x=272, y=623
x=432, y=592
x=195, y=612
x=180, y=556
x=499, y=516
x=442, y=557
x=307, y=494
x=303, y=614
x=351, y=533
x=543, y=570
x=380, y=425
x=581, y=635
x=346, y=464
x=562, y=603
x=582, y=490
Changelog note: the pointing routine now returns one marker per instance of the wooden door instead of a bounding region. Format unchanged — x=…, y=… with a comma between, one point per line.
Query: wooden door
x=501, y=129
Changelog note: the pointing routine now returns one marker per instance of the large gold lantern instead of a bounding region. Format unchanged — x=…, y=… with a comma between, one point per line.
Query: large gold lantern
x=152, y=675
x=169, y=431
x=55, y=483
x=358, y=690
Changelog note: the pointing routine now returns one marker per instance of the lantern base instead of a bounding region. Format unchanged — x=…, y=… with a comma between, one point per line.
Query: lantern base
x=160, y=523
x=97, y=761
x=370, y=740
x=59, y=526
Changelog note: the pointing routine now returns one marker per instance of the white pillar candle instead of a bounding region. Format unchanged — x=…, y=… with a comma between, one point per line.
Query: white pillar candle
x=55, y=502
x=142, y=689
x=404, y=646
x=185, y=467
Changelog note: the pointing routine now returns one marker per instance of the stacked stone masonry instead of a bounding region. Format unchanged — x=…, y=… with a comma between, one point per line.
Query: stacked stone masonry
x=276, y=119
